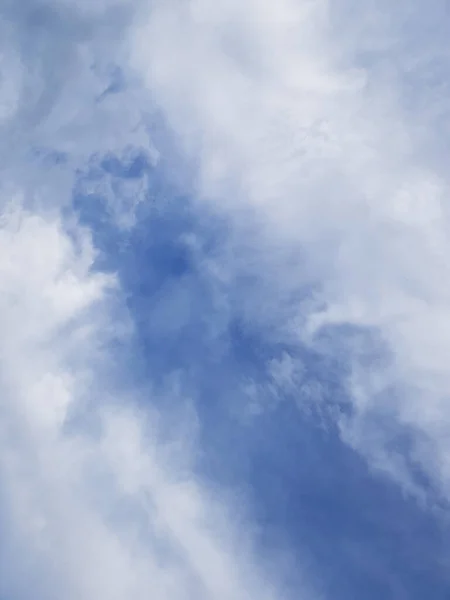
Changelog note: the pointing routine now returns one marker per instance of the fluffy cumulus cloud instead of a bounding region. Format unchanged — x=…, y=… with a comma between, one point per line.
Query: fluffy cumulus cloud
x=224, y=299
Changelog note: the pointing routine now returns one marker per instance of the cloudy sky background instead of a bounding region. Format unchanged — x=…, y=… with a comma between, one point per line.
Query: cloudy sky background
x=224, y=300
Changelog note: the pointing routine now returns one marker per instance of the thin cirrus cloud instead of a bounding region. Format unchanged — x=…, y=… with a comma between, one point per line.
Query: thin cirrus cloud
x=223, y=296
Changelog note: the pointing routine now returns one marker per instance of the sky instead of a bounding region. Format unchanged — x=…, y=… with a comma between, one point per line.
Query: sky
x=224, y=300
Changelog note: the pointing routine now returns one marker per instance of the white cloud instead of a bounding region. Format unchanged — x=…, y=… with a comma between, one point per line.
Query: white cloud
x=109, y=513
x=57, y=60
x=301, y=125
x=95, y=501
x=329, y=121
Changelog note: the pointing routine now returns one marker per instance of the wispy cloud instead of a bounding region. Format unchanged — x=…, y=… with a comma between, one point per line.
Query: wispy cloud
x=96, y=501
x=223, y=254
x=315, y=118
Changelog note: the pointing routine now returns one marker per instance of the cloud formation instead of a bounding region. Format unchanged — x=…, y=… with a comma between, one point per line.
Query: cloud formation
x=95, y=501
x=326, y=122
x=223, y=250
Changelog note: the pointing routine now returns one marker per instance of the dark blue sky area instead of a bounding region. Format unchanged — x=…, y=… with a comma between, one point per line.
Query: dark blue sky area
x=365, y=540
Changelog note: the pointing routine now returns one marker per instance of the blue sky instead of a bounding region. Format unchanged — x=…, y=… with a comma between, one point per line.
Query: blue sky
x=224, y=300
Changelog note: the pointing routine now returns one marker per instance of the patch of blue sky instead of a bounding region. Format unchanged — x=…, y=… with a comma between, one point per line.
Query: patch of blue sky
x=257, y=435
